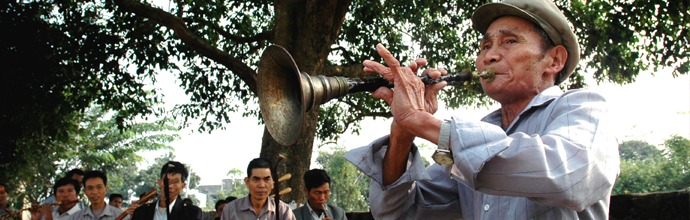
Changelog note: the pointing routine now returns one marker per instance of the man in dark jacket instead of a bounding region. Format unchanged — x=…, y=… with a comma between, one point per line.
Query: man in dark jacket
x=176, y=174
x=318, y=189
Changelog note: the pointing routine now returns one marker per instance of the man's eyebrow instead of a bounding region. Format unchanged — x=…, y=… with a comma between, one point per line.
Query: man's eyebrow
x=488, y=35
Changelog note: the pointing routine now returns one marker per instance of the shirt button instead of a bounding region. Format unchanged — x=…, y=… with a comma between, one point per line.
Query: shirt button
x=486, y=207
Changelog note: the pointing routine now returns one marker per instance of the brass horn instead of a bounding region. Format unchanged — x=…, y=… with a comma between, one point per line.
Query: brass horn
x=285, y=93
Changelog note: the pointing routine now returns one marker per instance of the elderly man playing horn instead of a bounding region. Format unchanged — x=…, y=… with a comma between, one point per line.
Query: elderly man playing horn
x=544, y=154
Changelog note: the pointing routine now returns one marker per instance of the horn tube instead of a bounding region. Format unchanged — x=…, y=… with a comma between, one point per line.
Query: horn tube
x=285, y=93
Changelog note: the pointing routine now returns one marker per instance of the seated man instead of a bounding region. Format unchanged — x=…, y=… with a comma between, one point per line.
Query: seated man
x=317, y=187
x=220, y=204
x=546, y=154
x=177, y=174
x=115, y=200
x=66, y=191
x=257, y=204
x=6, y=211
x=95, y=187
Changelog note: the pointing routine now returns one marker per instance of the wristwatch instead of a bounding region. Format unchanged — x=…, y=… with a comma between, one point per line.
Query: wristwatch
x=442, y=155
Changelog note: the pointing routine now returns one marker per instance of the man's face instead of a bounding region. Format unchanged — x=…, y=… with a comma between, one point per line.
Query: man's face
x=319, y=195
x=95, y=190
x=512, y=48
x=66, y=193
x=78, y=178
x=175, y=185
x=117, y=202
x=3, y=195
x=219, y=209
x=259, y=183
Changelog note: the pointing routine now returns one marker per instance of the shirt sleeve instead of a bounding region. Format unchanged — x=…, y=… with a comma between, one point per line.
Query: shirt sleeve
x=573, y=162
x=286, y=212
x=418, y=193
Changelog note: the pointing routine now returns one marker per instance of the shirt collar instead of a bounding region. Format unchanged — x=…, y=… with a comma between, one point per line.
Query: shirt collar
x=106, y=211
x=247, y=205
x=172, y=204
x=73, y=210
x=543, y=98
x=314, y=212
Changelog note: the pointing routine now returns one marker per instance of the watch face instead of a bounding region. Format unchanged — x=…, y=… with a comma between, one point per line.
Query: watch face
x=443, y=158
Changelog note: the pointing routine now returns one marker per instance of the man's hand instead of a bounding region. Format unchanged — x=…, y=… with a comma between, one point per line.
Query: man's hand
x=47, y=211
x=412, y=103
x=130, y=210
x=36, y=212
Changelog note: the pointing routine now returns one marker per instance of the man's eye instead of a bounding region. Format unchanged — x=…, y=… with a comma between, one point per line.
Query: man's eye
x=512, y=41
x=486, y=47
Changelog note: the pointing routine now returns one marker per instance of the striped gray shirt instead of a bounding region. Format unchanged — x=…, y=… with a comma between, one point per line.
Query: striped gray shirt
x=557, y=160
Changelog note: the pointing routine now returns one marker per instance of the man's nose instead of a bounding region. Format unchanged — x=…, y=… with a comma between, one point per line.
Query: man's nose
x=492, y=55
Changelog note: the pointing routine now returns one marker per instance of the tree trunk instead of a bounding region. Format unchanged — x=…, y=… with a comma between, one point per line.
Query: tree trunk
x=307, y=29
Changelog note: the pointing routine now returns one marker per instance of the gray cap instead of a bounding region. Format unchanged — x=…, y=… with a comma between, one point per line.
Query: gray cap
x=543, y=13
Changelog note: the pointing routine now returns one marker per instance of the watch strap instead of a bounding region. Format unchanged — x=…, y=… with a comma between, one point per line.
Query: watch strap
x=444, y=136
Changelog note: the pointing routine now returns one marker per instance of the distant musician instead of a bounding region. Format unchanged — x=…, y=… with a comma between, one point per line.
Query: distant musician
x=65, y=191
x=95, y=187
x=177, y=175
x=257, y=205
x=6, y=211
x=317, y=187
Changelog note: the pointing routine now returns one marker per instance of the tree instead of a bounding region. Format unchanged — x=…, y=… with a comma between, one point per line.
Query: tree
x=637, y=150
x=349, y=186
x=97, y=144
x=219, y=43
x=666, y=171
x=79, y=65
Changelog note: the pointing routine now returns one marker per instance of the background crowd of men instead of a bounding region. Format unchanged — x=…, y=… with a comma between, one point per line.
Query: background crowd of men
x=64, y=203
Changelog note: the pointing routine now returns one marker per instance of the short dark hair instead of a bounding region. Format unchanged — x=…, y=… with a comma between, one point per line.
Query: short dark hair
x=175, y=167
x=115, y=196
x=259, y=163
x=95, y=174
x=220, y=202
x=74, y=171
x=66, y=181
x=230, y=199
x=7, y=189
x=316, y=178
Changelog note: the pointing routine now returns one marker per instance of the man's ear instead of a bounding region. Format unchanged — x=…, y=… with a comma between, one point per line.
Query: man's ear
x=306, y=191
x=246, y=181
x=557, y=55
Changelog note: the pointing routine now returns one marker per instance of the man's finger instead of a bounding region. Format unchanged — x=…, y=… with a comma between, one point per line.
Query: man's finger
x=387, y=56
x=436, y=87
x=384, y=93
x=419, y=62
x=375, y=67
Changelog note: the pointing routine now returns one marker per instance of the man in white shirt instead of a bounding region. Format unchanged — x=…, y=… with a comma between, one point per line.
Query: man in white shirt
x=95, y=189
x=66, y=191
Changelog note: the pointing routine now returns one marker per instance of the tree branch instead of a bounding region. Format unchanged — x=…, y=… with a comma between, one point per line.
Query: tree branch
x=346, y=54
x=246, y=73
x=266, y=35
x=356, y=70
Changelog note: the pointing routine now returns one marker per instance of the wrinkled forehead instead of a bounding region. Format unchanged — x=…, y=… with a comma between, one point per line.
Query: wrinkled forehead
x=508, y=25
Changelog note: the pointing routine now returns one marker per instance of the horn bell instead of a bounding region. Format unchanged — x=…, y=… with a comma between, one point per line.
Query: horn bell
x=280, y=95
